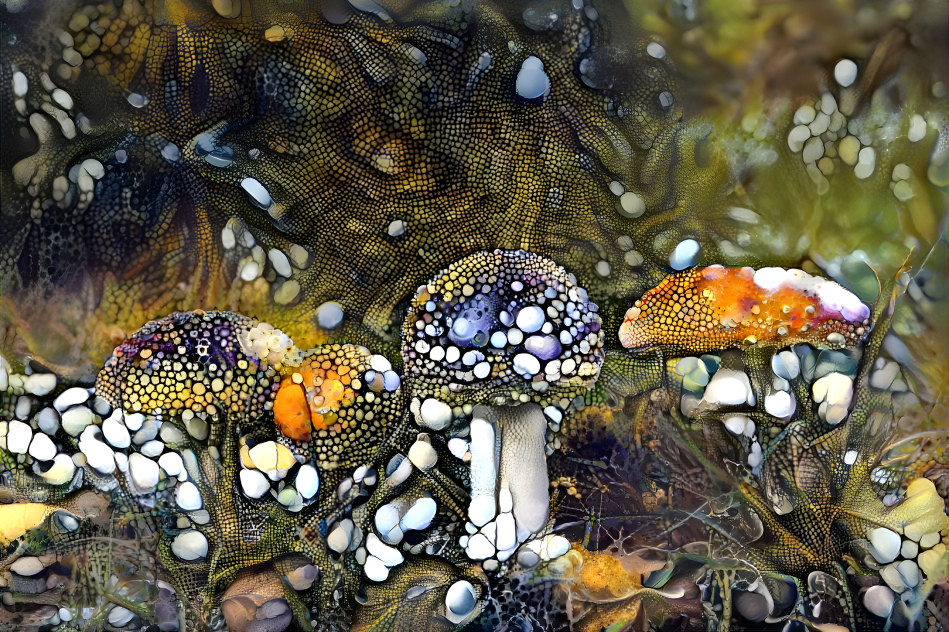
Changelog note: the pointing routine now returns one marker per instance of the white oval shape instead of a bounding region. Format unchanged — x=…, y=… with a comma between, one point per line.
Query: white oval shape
x=190, y=545
x=684, y=255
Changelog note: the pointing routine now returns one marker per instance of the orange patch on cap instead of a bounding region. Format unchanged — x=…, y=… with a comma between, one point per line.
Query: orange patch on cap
x=291, y=411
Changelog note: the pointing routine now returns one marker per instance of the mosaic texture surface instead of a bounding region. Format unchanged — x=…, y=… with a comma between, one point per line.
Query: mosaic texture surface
x=466, y=315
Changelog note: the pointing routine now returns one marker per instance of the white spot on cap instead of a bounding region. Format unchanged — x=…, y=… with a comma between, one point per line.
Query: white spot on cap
x=530, y=319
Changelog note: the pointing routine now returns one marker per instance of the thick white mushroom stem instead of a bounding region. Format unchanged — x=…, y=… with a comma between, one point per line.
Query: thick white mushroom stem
x=518, y=456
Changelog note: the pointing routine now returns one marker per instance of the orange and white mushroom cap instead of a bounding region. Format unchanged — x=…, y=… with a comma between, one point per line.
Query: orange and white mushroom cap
x=703, y=309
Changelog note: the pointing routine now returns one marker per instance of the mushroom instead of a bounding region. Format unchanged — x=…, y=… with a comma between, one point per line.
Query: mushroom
x=503, y=340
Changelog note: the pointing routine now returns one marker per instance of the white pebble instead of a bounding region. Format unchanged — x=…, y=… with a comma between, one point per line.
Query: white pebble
x=929, y=540
x=786, y=365
x=886, y=544
x=866, y=163
x=526, y=365
x=188, y=497
x=461, y=599
x=797, y=137
x=684, y=255
x=423, y=455
x=152, y=448
x=909, y=571
x=307, y=481
x=48, y=421
x=780, y=404
x=532, y=82
x=62, y=470
x=115, y=431
x=144, y=472
x=40, y=384
x=20, y=84
x=387, y=554
x=340, y=537
x=27, y=566
x=479, y=547
x=458, y=447
x=134, y=421
x=375, y=569
x=804, y=115
x=917, y=129
x=813, y=150
x=19, y=436
x=76, y=419
x=100, y=457
x=631, y=204
x=120, y=617
x=254, y=483
x=329, y=315
x=396, y=228
x=879, y=600
x=754, y=457
x=555, y=546
x=434, y=414
x=42, y=447
x=728, y=388
x=656, y=50
x=258, y=194
x=70, y=397
x=171, y=463
x=420, y=515
x=735, y=424
x=398, y=471
x=834, y=393
x=845, y=72
x=190, y=545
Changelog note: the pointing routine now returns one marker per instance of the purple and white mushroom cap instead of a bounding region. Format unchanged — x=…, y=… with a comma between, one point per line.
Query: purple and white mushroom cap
x=498, y=326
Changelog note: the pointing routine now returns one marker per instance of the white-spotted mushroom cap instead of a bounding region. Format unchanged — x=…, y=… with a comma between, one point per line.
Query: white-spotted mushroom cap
x=499, y=328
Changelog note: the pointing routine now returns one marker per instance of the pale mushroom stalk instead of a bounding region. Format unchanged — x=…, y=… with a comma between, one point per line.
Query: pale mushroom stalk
x=507, y=453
